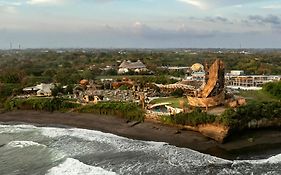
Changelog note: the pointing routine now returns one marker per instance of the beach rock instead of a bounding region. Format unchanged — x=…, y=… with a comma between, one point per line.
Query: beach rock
x=134, y=123
x=251, y=140
x=216, y=132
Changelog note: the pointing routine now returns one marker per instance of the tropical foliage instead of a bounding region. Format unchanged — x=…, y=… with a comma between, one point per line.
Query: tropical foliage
x=196, y=117
x=130, y=111
x=273, y=88
x=240, y=117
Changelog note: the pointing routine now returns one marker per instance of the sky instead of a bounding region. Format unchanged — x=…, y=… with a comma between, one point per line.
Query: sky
x=140, y=23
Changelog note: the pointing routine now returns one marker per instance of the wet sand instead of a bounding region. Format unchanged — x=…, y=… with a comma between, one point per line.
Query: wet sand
x=246, y=145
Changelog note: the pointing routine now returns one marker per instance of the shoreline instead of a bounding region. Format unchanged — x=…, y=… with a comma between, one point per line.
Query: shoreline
x=243, y=146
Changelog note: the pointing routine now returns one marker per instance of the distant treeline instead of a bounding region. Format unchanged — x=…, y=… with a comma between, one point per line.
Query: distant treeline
x=27, y=68
x=31, y=67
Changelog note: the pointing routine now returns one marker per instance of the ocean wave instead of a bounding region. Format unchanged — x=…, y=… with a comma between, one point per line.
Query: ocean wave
x=124, y=156
x=271, y=160
x=22, y=144
x=19, y=126
x=119, y=143
x=74, y=167
x=16, y=128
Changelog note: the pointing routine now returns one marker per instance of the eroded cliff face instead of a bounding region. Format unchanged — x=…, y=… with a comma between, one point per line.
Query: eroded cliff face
x=220, y=132
x=213, y=131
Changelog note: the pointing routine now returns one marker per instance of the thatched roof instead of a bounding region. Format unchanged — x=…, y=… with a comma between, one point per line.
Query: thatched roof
x=132, y=65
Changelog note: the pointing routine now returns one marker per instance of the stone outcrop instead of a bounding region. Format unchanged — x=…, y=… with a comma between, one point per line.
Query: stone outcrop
x=216, y=132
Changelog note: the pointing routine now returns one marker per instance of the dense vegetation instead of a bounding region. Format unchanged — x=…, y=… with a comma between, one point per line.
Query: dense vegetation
x=46, y=104
x=240, y=117
x=194, y=118
x=24, y=68
x=234, y=118
x=273, y=88
x=30, y=66
x=20, y=69
x=260, y=95
x=130, y=111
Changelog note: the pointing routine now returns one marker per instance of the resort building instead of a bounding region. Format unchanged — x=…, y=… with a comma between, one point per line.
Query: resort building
x=175, y=68
x=237, y=72
x=127, y=66
x=40, y=89
x=249, y=82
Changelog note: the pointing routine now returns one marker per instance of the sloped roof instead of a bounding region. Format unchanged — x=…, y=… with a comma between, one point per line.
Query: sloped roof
x=132, y=65
x=124, y=64
x=41, y=87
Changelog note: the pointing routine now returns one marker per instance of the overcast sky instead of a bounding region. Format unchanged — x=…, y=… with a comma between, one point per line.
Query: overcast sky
x=140, y=23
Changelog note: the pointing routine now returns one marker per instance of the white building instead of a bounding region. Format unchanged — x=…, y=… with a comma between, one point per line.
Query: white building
x=237, y=72
x=249, y=82
x=41, y=89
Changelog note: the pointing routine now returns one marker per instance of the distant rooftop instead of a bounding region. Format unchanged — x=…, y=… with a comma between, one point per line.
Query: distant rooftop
x=132, y=65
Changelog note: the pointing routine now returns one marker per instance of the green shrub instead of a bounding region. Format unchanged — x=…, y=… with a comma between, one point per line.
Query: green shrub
x=177, y=93
x=273, y=88
x=194, y=118
x=46, y=104
x=130, y=111
x=252, y=111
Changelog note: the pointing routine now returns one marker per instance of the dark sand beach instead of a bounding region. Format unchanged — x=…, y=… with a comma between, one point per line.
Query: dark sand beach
x=246, y=145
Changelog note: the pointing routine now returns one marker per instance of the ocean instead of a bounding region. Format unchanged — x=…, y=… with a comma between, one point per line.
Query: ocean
x=34, y=150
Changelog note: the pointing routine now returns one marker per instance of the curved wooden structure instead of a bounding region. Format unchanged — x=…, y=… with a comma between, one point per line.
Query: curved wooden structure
x=206, y=102
x=213, y=92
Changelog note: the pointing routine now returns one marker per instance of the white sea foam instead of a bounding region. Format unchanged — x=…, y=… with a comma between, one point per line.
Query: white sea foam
x=16, y=128
x=22, y=144
x=274, y=159
x=75, y=167
x=271, y=160
x=120, y=143
x=175, y=156
x=183, y=157
x=227, y=171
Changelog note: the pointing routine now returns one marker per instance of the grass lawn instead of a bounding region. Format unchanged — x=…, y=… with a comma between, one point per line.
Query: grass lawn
x=173, y=100
x=257, y=96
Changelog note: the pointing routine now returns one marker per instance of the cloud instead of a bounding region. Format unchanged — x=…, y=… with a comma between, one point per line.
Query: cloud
x=137, y=34
x=270, y=19
x=9, y=7
x=5, y=9
x=215, y=19
x=272, y=7
x=206, y=4
x=199, y=4
x=10, y=3
x=158, y=33
x=38, y=2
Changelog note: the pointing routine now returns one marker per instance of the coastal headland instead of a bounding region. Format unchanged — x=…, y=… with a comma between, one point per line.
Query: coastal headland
x=240, y=145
